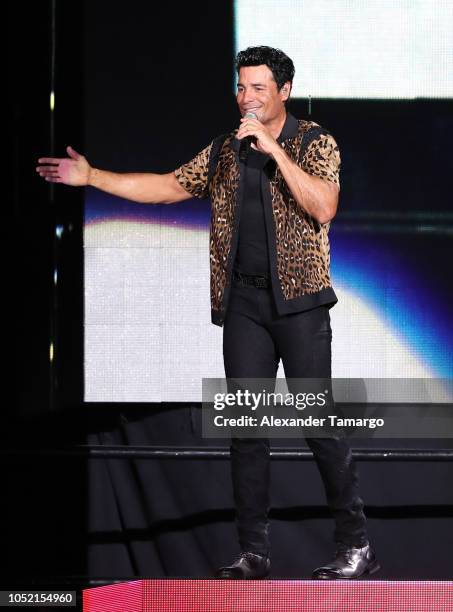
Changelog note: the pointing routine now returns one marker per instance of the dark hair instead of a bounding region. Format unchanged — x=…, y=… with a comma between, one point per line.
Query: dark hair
x=281, y=65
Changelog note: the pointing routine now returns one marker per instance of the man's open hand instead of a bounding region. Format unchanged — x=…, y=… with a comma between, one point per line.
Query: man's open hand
x=74, y=170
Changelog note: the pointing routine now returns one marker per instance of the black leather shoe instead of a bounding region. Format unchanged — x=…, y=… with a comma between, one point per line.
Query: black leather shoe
x=246, y=565
x=349, y=562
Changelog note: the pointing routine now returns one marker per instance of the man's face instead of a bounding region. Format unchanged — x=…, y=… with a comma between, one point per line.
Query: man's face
x=257, y=93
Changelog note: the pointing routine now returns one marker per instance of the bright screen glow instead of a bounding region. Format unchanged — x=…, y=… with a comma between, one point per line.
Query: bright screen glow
x=356, y=49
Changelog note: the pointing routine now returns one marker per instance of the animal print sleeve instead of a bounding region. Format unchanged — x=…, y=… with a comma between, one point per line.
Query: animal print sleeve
x=193, y=175
x=322, y=157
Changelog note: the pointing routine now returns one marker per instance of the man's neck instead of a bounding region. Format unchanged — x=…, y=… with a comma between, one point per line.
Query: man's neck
x=275, y=126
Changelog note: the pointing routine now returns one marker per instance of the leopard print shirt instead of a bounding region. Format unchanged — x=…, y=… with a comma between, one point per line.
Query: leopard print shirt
x=301, y=243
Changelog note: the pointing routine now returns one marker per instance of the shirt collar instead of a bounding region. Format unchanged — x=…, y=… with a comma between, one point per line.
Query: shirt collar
x=290, y=128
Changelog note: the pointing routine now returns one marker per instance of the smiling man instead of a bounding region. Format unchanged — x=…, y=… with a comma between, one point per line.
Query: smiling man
x=274, y=186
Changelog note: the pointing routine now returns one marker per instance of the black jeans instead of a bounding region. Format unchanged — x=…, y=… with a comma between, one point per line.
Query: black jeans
x=255, y=338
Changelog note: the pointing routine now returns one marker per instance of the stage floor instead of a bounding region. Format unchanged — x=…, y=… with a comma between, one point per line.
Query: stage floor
x=187, y=595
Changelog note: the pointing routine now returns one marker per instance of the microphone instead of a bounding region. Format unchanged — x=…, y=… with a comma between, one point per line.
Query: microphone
x=244, y=148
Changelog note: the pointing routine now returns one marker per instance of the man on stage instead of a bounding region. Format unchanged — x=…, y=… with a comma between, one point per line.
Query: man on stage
x=274, y=186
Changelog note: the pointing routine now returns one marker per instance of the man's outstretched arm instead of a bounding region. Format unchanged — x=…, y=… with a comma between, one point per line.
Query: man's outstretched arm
x=143, y=187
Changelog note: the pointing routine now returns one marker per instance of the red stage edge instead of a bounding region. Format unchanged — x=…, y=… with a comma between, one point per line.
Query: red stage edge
x=186, y=595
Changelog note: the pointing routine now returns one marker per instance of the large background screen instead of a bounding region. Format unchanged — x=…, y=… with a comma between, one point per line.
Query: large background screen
x=356, y=49
x=378, y=76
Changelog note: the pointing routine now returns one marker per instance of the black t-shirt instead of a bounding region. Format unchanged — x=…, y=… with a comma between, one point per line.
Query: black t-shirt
x=252, y=255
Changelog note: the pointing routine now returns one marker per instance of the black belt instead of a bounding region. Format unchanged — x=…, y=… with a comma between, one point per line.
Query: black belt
x=259, y=281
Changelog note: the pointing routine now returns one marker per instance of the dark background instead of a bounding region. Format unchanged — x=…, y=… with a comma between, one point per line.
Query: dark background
x=73, y=520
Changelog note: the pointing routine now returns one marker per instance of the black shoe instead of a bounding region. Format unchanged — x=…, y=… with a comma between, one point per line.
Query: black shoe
x=246, y=565
x=349, y=562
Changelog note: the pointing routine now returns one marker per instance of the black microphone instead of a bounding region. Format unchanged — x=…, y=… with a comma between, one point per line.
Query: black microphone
x=244, y=148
